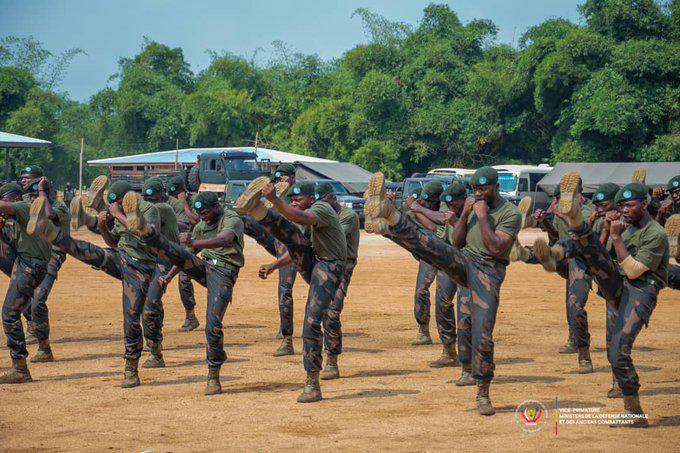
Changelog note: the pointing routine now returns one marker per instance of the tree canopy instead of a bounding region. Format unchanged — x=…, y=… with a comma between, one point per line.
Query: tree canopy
x=440, y=92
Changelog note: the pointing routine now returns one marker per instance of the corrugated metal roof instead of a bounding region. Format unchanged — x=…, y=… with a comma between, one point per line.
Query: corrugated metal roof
x=189, y=155
x=8, y=140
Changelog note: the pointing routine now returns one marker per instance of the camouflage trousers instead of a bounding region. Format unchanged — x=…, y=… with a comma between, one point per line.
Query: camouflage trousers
x=253, y=229
x=481, y=278
x=217, y=277
x=323, y=277
x=8, y=251
x=37, y=312
x=26, y=276
x=630, y=304
x=153, y=313
x=134, y=275
x=444, y=308
x=186, y=291
x=287, y=276
x=332, y=327
x=421, y=298
x=674, y=276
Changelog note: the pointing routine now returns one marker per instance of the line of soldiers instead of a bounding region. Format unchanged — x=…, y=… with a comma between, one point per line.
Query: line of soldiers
x=165, y=232
x=619, y=245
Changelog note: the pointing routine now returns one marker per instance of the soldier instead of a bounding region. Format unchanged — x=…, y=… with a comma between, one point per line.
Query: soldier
x=454, y=197
x=671, y=205
x=630, y=284
x=218, y=237
x=126, y=259
x=152, y=315
x=673, y=233
x=30, y=173
x=69, y=193
x=482, y=239
x=37, y=314
x=179, y=200
x=29, y=268
x=320, y=260
x=349, y=221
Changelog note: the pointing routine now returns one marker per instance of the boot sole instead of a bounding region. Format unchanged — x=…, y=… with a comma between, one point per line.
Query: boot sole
x=252, y=194
x=76, y=208
x=568, y=188
x=95, y=193
x=542, y=251
x=310, y=400
x=673, y=233
x=37, y=215
x=639, y=175
x=524, y=207
x=376, y=186
x=135, y=220
x=281, y=189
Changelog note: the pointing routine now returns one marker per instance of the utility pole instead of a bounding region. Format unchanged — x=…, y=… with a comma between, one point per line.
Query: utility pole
x=176, y=154
x=80, y=172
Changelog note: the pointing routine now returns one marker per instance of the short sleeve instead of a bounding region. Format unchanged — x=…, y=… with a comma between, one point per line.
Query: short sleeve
x=510, y=224
x=197, y=232
x=652, y=250
x=232, y=223
x=349, y=223
x=323, y=214
x=152, y=216
x=22, y=212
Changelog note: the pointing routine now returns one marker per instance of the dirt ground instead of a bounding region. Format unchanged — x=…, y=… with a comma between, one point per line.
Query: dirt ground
x=388, y=397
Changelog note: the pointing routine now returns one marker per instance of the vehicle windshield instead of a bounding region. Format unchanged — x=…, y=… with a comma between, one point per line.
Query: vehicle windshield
x=507, y=182
x=241, y=164
x=338, y=188
x=236, y=190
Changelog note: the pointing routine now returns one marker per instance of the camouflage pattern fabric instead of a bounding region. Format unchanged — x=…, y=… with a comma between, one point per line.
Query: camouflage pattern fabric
x=186, y=291
x=153, y=314
x=421, y=297
x=332, y=327
x=37, y=312
x=674, y=276
x=261, y=235
x=287, y=276
x=444, y=309
x=8, y=252
x=26, y=276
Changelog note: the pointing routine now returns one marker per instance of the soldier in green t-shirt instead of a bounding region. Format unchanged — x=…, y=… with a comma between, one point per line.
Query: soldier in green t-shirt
x=453, y=197
x=481, y=239
x=180, y=200
x=126, y=259
x=37, y=314
x=320, y=258
x=671, y=205
x=629, y=283
x=30, y=256
x=218, y=239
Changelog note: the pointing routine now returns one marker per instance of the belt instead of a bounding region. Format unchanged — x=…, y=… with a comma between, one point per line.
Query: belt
x=224, y=264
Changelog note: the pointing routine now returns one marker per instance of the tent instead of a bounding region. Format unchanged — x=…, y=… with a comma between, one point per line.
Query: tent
x=353, y=177
x=594, y=174
x=8, y=141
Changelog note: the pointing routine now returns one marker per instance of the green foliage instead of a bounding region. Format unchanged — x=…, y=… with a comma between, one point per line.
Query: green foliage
x=440, y=92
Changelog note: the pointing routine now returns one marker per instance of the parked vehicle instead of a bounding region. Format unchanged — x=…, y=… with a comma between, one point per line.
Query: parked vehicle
x=519, y=181
x=214, y=170
x=344, y=197
x=409, y=185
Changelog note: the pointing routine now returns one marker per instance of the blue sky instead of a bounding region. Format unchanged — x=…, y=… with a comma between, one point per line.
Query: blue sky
x=108, y=30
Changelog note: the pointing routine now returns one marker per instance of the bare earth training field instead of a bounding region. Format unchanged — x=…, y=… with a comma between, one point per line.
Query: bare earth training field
x=388, y=397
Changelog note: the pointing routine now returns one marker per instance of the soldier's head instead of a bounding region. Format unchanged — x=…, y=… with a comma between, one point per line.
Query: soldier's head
x=30, y=173
x=11, y=192
x=285, y=173
x=153, y=191
x=454, y=196
x=484, y=184
x=68, y=185
x=673, y=189
x=32, y=188
x=176, y=185
x=324, y=192
x=429, y=196
x=604, y=198
x=632, y=202
x=302, y=194
x=207, y=205
x=117, y=191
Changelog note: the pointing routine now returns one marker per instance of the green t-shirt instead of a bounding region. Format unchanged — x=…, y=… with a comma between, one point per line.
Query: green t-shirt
x=328, y=239
x=63, y=219
x=440, y=229
x=649, y=245
x=230, y=256
x=168, y=219
x=178, y=207
x=506, y=218
x=563, y=229
x=349, y=221
x=129, y=243
x=28, y=246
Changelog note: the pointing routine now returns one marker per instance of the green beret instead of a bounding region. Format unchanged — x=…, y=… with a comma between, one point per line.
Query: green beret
x=32, y=170
x=153, y=187
x=118, y=190
x=484, y=176
x=302, y=188
x=606, y=192
x=284, y=170
x=416, y=192
x=632, y=191
x=33, y=186
x=205, y=200
x=674, y=183
x=10, y=187
x=432, y=190
x=175, y=184
x=454, y=191
x=323, y=189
